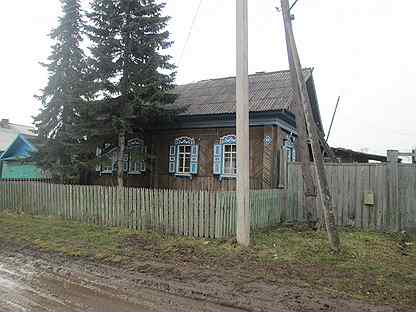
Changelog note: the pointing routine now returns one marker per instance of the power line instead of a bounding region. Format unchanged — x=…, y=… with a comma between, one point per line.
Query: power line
x=190, y=32
x=293, y=5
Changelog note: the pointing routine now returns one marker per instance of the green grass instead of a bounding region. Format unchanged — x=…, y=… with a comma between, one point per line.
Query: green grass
x=370, y=267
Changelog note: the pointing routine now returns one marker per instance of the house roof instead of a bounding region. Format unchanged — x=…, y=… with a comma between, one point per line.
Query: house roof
x=354, y=155
x=20, y=148
x=268, y=92
x=9, y=134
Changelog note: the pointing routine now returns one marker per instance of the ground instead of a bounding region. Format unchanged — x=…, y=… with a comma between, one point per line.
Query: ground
x=70, y=267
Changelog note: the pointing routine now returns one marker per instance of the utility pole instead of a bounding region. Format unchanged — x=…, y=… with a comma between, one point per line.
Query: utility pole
x=242, y=110
x=303, y=144
x=300, y=83
x=333, y=118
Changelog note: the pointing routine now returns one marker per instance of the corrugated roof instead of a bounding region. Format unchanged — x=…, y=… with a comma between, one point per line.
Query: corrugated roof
x=268, y=92
x=10, y=133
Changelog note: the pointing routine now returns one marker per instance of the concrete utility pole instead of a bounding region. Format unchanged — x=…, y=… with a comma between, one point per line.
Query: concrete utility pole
x=242, y=109
x=313, y=131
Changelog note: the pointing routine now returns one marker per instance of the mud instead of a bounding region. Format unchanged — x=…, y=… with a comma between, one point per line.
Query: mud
x=34, y=281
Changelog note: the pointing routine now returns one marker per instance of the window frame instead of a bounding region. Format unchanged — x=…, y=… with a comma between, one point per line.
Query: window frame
x=228, y=140
x=289, y=144
x=233, y=160
x=111, y=155
x=186, y=143
x=135, y=167
x=181, y=163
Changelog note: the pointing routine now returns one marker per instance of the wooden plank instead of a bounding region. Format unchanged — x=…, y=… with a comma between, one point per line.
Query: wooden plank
x=206, y=214
x=191, y=217
x=212, y=217
x=196, y=213
x=365, y=188
x=218, y=216
x=180, y=212
x=186, y=213
x=166, y=211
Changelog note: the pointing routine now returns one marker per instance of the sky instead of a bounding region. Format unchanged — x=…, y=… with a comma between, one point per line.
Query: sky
x=363, y=51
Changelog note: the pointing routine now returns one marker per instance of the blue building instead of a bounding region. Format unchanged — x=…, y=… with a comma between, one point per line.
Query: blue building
x=16, y=150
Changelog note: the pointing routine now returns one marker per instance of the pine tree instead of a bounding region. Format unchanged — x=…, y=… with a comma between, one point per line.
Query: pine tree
x=132, y=76
x=63, y=97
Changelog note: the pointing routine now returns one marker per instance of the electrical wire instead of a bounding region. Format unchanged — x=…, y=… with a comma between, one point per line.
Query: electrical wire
x=190, y=32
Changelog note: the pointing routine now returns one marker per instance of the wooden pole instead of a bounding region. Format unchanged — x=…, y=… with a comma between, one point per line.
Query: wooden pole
x=242, y=109
x=303, y=141
x=333, y=118
x=322, y=181
x=393, y=189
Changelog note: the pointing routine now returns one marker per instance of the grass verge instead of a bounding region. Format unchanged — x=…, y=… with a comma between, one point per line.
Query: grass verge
x=371, y=267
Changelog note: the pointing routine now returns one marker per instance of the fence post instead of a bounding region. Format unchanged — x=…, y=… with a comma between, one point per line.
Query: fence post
x=393, y=189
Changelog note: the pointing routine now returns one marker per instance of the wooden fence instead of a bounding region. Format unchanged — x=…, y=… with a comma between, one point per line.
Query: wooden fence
x=367, y=196
x=198, y=214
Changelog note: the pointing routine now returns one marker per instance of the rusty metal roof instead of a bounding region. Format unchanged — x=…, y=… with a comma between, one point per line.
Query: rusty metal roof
x=268, y=92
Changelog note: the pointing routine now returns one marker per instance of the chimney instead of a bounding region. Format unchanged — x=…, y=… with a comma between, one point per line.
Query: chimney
x=4, y=123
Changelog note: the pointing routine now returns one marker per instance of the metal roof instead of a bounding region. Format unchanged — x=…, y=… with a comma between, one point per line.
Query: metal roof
x=268, y=92
x=9, y=134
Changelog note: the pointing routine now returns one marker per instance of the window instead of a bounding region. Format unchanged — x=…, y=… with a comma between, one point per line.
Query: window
x=134, y=160
x=289, y=146
x=108, y=162
x=137, y=156
x=183, y=157
x=230, y=159
x=225, y=157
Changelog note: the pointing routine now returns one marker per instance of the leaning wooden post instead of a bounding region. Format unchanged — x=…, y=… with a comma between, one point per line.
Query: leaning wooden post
x=322, y=181
x=309, y=203
x=242, y=110
x=393, y=189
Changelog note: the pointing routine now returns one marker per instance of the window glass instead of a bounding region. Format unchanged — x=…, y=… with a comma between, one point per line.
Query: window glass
x=107, y=163
x=136, y=157
x=184, y=159
x=230, y=159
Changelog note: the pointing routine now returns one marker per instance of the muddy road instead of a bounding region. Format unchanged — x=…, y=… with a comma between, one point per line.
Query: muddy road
x=35, y=286
x=32, y=281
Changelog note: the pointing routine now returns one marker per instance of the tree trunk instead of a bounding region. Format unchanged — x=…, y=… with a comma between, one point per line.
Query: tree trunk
x=120, y=157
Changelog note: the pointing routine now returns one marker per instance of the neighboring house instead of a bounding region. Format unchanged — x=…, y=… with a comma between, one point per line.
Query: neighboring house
x=16, y=149
x=199, y=152
x=349, y=156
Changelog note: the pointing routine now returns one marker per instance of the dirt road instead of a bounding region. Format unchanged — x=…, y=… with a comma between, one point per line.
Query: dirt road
x=33, y=281
x=34, y=286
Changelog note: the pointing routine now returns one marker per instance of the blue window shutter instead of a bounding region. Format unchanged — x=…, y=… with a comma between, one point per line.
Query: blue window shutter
x=114, y=159
x=218, y=159
x=172, y=159
x=194, y=159
x=126, y=162
x=143, y=161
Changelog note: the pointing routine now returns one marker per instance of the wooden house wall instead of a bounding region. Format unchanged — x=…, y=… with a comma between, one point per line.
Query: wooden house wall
x=264, y=161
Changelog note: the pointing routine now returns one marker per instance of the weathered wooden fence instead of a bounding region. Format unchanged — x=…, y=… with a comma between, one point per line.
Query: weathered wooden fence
x=198, y=214
x=368, y=196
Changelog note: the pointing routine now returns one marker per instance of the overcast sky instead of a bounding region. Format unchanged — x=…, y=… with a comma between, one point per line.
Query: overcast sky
x=362, y=50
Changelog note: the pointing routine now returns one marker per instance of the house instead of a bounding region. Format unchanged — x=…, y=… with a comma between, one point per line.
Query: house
x=199, y=151
x=16, y=149
x=349, y=156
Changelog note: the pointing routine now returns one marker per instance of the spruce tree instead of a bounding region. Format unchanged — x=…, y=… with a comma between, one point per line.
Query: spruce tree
x=132, y=75
x=63, y=97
